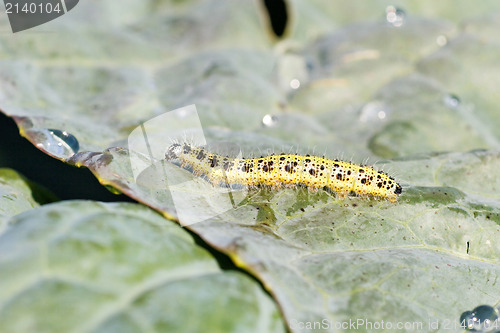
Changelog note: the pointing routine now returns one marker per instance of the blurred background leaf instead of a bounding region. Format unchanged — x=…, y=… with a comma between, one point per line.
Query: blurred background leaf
x=95, y=267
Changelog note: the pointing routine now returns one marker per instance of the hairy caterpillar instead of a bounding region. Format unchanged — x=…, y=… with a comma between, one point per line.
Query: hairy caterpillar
x=287, y=170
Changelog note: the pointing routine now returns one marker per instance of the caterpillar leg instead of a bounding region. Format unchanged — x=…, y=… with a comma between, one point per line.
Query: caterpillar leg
x=313, y=189
x=393, y=199
x=342, y=195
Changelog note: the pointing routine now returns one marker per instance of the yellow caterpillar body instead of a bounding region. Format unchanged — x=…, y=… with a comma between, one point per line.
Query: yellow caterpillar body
x=287, y=170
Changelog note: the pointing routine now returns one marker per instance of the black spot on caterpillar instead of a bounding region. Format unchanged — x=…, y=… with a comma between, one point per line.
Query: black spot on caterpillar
x=287, y=170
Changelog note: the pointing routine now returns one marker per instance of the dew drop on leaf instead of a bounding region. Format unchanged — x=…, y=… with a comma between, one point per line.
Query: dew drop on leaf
x=269, y=120
x=482, y=319
x=451, y=101
x=56, y=142
x=374, y=111
x=395, y=16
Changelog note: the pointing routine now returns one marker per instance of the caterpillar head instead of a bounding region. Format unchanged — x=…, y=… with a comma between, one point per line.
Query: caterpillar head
x=398, y=189
x=173, y=151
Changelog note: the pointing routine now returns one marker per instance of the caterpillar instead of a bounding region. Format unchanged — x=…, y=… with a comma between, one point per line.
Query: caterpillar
x=286, y=170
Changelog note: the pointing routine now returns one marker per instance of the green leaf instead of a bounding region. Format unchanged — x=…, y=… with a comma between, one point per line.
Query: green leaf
x=368, y=258
x=82, y=266
x=19, y=195
x=428, y=257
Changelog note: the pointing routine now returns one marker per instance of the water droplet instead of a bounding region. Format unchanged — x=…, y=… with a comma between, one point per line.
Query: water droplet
x=375, y=110
x=294, y=84
x=55, y=142
x=395, y=16
x=269, y=120
x=441, y=40
x=451, y=101
x=481, y=319
x=466, y=320
x=292, y=71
